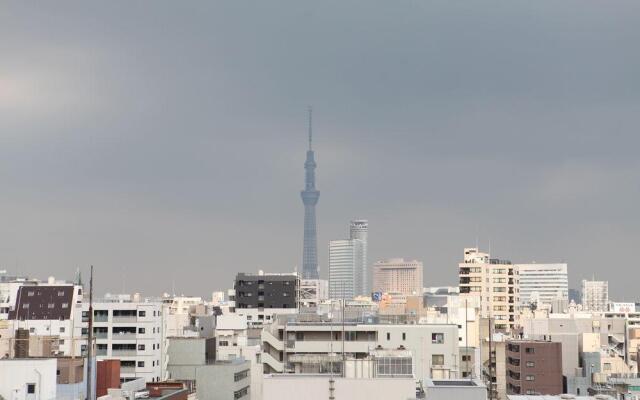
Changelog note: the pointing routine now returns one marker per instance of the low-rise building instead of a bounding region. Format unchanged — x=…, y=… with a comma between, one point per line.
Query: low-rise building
x=459, y=389
x=28, y=378
x=224, y=380
x=130, y=329
x=534, y=367
x=293, y=344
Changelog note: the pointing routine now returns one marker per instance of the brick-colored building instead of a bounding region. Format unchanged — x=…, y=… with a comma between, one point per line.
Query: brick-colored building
x=534, y=367
x=107, y=376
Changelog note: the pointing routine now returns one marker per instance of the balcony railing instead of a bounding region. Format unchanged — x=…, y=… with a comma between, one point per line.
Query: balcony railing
x=123, y=336
x=124, y=352
x=126, y=318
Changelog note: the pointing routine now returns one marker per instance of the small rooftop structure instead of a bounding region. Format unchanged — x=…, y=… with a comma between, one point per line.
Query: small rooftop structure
x=447, y=389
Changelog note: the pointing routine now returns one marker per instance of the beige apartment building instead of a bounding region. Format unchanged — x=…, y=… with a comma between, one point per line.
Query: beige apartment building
x=397, y=275
x=495, y=282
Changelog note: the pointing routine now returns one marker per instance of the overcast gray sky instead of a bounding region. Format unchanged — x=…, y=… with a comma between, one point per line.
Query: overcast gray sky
x=164, y=141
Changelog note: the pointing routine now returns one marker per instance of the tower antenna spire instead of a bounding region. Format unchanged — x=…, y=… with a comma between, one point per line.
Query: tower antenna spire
x=310, y=126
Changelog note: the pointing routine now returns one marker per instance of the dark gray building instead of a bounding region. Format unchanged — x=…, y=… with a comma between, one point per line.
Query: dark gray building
x=266, y=290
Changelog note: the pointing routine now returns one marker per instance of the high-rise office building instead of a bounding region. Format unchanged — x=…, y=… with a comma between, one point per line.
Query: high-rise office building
x=495, y=283
x=310, y=198
x=398, y=275
x=542, y=283
x=595, y=295
x=359, y=229
x=344, y=258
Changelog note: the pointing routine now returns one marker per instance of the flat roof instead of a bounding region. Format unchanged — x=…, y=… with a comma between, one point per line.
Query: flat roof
x=454, y=383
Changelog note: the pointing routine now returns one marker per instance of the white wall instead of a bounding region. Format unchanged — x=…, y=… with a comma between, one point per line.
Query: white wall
x=277, y=387
x=15, y=374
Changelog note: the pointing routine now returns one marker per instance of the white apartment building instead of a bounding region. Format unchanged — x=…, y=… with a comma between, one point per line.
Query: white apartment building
x=495, y=282
x=595, y=295
x=542, y=283
x=345, y=262
x=130, y=329
x=187, y=317
x=317, y=347
x=50, y=311
x=397, y=275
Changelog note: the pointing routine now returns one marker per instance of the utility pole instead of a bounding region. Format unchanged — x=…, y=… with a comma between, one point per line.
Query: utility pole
x=90, y=341
x=490, y=362
x=466, y=337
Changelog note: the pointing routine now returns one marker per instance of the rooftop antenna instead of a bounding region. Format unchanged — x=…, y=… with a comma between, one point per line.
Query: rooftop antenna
x=310, y=127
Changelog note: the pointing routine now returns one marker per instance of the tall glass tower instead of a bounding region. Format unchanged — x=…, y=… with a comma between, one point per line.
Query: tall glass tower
x=310, y=198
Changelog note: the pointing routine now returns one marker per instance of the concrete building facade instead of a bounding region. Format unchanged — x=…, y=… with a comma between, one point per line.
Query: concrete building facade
x=595, y=295
x=542, y=283
x=495, y=282
x=534, y=367
x=130, y=329
x=397, y=275
x=345, y=259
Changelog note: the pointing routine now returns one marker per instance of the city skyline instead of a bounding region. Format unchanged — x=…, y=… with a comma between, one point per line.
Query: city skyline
x=117, y=152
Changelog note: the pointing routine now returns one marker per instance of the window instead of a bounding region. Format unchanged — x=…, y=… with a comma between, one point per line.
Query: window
x=388, y=336
x=31, y=388
x=224, y=343
x=140, y=364
x=530, y=378
x=299, y=336
x=25, y=305
x=51, y=305
x=499, y=289
x=607, y=367
x=141, y=347
x=238, y=376
x=530, y=350
x=32, y=330
x=31, y=293
x=394, y=366
x=65, y=305
x=466, y=358
x=404, y=336
x=62, y=329
x=142, y=313
x=60, y=293
x=531, y=364
x=437, y=359
x=60, y=341
x=437, y=338
x=238, y=394
x=140, y=330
